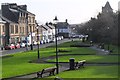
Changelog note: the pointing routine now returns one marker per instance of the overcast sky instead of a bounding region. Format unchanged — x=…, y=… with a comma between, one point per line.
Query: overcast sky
x=76, y=11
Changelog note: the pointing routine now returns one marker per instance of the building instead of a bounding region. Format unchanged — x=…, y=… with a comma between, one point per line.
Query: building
x=107, y=11
x=6, y=29
x=21, y=22
x=2, y=31
x=107, y=8
x=51, y=31
x=63, y=29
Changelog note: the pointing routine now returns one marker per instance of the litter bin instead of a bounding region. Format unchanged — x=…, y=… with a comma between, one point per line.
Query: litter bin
x=72, y=63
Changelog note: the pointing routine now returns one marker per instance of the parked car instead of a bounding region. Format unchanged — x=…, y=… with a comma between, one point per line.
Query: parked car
x=17, y=45
x=9, y=46
x=62, y=37
x=53, y=40
x=44, y=41
x=47, y=40
x=22, y=45
x=26, y=43
x=41, y=42
x=59, y=38
x=35, y=43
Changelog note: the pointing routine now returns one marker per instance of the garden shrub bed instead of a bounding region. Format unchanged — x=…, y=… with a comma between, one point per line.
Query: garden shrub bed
x=63, y=50
x=80, y=45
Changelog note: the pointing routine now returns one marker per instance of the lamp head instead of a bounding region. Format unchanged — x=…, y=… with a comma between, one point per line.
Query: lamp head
x=55, y=20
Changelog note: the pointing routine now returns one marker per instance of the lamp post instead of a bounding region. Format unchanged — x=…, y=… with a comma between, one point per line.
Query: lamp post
x=37, y=27
x=31, y=45
x=56, y=33
x=26, y=21
x=108, y=37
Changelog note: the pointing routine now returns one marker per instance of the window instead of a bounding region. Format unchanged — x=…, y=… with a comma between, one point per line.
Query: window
x=33, y=28
x=29, y=19
x=17, y=39
x=16, y=28
x=0, y=29
x=12, y=29
x=3, y=28
x=23, y=29
x=33, y=19
x=20, y=29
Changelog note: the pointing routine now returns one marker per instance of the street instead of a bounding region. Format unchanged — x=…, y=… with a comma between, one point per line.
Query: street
x=5, y=52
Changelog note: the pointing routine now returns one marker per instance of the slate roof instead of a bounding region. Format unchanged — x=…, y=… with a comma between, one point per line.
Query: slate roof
x=107, y=5
x=44, y=27
x=51, y=27
x=62, y=25
x=1, y=21
x=0, y=12
x=5, y=19
x=25, y=11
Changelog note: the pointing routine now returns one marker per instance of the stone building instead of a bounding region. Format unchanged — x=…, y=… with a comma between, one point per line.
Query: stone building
x=63, y=29
x=24, y=22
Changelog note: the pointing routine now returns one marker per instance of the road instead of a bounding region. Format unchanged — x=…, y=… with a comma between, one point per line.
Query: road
x=6, y=52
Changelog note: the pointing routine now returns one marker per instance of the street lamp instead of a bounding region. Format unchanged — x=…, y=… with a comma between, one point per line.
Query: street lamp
x=31, y=45
x=56, y=33
x=37, y=27
x=108, y=37
x=26, y=22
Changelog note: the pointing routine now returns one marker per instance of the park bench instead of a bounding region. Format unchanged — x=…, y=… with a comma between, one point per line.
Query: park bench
x=47, y=70
x=80, y=64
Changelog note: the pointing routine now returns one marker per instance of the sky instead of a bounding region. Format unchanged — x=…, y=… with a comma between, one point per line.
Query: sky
x=76, y=11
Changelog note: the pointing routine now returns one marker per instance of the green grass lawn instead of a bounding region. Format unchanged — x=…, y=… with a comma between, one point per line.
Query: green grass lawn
x=67, y=44
x=18, y=64
x=91, y=72
x=75, y=50
x=0, y=67
x=90, y=58
x=114, y=48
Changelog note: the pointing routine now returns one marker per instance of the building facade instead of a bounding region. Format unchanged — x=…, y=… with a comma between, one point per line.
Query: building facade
x=21, y=23
x=63, y=29
x=2, y=31
x=107, y=8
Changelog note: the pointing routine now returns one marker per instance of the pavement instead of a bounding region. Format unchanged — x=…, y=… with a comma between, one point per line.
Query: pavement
x=100, y=51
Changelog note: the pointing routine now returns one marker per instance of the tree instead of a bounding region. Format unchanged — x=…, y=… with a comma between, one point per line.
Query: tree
x=104, y=28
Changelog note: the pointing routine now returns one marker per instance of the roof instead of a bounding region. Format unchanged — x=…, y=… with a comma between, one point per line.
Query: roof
x=13, y=10
x=51, y=27
x=44, y=27
x=25, y=11
x=107, y=5
x=5, y=19
x=1, y=12
x=62, y=25
x=1, y=21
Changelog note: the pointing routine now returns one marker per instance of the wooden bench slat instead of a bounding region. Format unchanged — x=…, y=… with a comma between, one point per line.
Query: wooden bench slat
x=47, y=70
x=80, y=64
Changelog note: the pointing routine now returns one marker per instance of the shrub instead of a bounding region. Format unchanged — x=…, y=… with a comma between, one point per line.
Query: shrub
x=80, y=45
